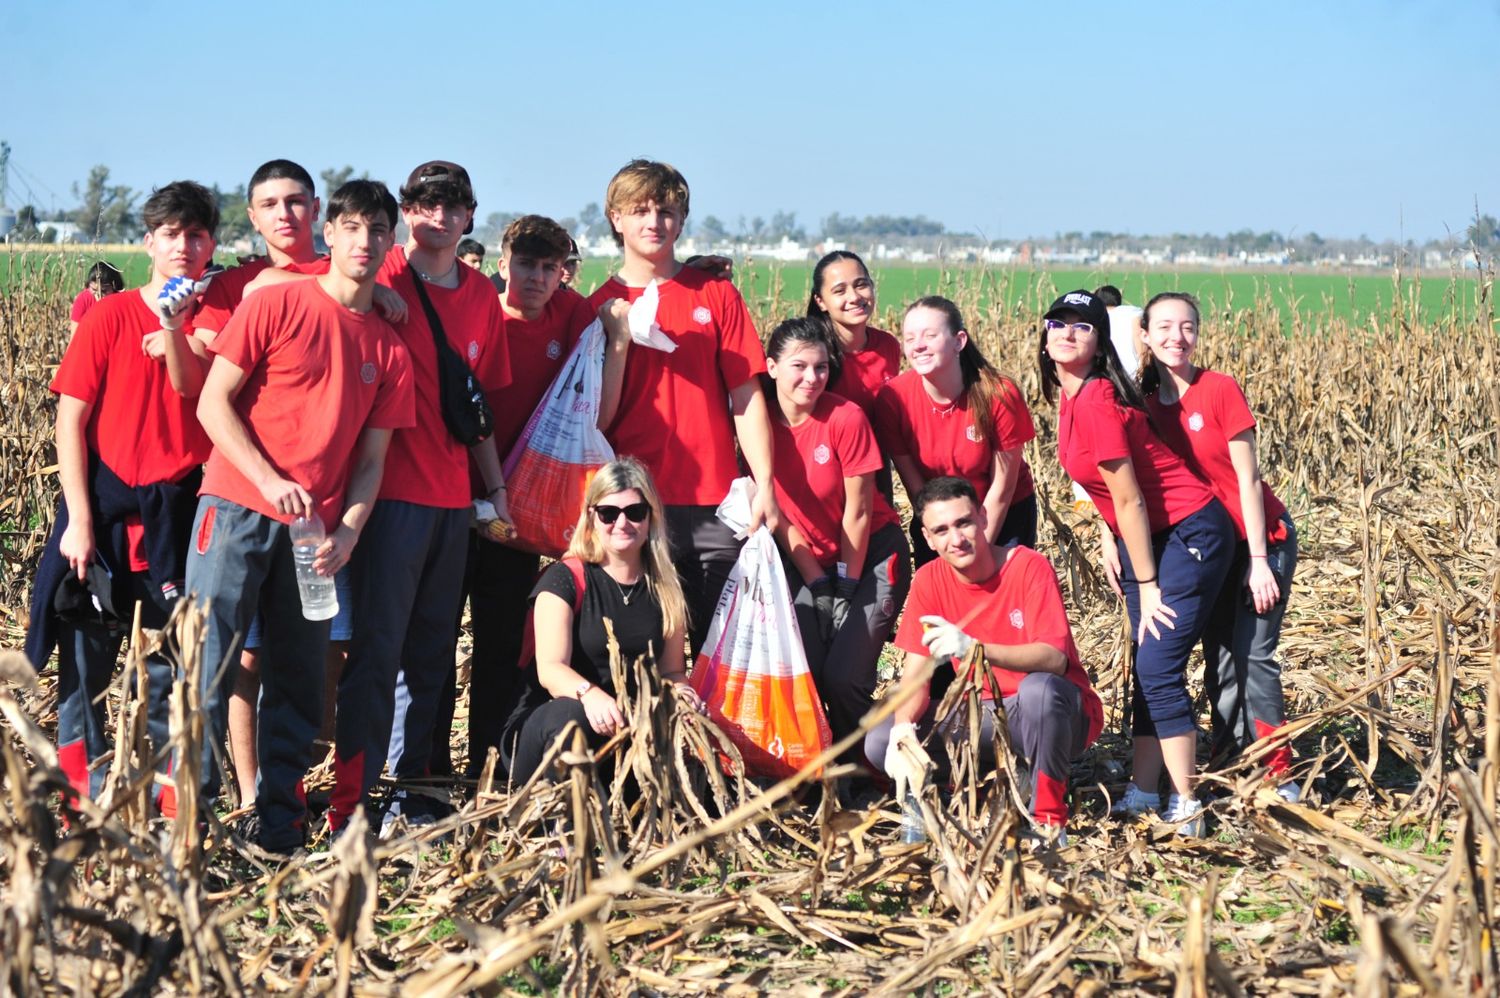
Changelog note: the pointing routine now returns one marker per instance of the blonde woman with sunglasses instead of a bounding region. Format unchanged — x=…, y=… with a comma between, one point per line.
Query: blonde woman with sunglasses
x=619, y=550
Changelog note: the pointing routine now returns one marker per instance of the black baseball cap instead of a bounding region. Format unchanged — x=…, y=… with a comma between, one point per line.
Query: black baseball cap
x=440, y=181
x=1085, y=304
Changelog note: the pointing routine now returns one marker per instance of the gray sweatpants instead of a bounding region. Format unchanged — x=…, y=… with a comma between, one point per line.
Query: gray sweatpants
x=1048, y=730
x=1243, y=680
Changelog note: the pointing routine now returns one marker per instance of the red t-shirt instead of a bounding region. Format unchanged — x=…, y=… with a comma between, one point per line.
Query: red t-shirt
x=1198, y=426
x=1018, y=605
x=537, y=349
x=140, y=427
x=426, y=465
x=1092, y=427
x=947, y=442
x=674, y=411
x=81, y=305
x=316, y=374
x=862, y=374
x=812, y=459
x=227, y=290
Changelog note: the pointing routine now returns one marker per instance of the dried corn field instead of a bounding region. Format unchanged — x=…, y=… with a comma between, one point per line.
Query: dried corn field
x=1381, y=437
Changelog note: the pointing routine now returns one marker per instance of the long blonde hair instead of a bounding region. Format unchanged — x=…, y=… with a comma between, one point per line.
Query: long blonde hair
x=620, y=475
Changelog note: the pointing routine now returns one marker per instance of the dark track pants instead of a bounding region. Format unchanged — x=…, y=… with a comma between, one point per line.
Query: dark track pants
x=86, y=659
x=241, y=561
x=1192, y=561
x=1243, y=677
x=498, y=581
x=843, y=668
x=704, y=551
x=408, y=581
x=1048, y=730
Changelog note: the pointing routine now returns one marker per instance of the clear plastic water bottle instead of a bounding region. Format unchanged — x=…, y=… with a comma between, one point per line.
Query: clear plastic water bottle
x=320, y=600
x=912, y=827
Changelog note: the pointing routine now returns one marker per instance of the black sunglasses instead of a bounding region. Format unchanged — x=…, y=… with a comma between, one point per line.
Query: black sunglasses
x=636, y=512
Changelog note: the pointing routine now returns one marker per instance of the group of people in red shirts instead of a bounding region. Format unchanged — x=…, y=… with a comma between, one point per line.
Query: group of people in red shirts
x=306, y=385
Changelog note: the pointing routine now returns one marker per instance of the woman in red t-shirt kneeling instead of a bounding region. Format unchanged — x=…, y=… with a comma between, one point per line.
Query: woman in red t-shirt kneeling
x=1204, y=417
x=842, y=540
x=1174, y=541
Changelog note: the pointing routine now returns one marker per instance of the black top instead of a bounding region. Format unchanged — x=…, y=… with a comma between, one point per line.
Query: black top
x=638, y=627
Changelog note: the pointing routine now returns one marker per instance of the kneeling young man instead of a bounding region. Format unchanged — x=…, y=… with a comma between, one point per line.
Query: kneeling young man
x=1008, y=599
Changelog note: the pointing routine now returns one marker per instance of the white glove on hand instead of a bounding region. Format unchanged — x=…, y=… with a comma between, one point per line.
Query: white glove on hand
x=944, y=639
x=905, y=760
x=180, y=292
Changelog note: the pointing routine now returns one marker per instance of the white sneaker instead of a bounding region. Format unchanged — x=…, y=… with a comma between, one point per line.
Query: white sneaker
x=1189, y=811
x=1135, y=803
x=1290, y=791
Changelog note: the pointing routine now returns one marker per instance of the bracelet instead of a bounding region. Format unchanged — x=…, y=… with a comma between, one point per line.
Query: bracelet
x=1260, y=556
x=1144, y=582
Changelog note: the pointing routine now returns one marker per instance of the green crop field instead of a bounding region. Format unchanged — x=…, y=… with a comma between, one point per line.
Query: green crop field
x=771, y=288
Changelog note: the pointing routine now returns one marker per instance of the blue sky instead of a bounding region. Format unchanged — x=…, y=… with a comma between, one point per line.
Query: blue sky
x=1342, y=118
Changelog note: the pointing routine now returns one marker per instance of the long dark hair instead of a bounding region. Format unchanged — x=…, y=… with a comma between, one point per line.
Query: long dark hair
x=983, y=384
x=1150, y=376
x=800, y=329
x=1105, y=365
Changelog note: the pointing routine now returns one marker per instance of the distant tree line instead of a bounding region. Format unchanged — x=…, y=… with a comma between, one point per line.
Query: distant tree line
x=107, y=212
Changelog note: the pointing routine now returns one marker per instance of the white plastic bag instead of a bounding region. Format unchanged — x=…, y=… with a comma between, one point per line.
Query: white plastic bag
x=752, y=671
x=549, y=469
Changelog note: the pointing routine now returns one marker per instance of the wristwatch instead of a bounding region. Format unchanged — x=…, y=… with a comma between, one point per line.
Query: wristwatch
x=583, y=688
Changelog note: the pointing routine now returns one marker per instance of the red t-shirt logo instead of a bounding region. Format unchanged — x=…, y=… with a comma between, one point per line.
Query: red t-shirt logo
x=821, y=454
x=1195, y=422
x=1017, y=620
x=367, y=372
x=702, y=316
x=554, y=350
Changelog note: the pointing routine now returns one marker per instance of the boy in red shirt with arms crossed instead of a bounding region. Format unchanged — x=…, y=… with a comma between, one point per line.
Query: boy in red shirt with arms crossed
x=129, y=449
x=668, y=410
x=306, y=387
x=1006, y=598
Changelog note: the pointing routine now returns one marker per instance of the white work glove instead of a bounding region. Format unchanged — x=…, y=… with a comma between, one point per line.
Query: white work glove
x=944, y=639
x=179, y=293
x=906, y=761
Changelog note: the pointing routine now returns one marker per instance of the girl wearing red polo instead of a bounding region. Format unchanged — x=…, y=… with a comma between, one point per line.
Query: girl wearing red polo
x=1204, y=417
x=1174, y=540
x=842, y=539
x=954, y=414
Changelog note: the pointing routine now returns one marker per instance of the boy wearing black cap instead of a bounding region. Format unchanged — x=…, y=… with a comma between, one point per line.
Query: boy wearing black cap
x=408, y=572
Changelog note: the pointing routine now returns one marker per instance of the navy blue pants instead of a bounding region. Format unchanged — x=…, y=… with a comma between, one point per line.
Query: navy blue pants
x=408, y=580
x=1192, y=561
x=86, y=659
x=241, y=562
